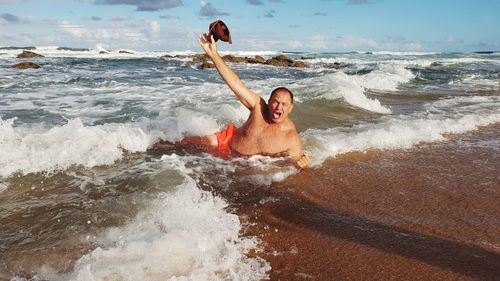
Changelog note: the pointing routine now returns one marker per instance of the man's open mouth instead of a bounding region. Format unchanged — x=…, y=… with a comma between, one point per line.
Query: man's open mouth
x=277, y=115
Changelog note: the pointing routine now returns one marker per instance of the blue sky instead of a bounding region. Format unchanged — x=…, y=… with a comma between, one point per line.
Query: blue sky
x=291, y=25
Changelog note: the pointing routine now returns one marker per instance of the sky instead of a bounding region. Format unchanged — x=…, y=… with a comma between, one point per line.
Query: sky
x=255, y=25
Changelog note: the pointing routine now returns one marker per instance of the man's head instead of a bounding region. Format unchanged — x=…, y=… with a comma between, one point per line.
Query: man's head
x=280, y=104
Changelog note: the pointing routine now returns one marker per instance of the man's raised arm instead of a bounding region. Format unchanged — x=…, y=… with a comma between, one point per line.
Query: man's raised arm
x=245, y=95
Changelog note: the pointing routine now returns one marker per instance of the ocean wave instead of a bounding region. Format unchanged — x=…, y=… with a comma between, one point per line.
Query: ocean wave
x=394, y=53
x=100, y=52
x=179, y=232
x=35, y=149
x=350, y=88
x=402, y=61
x=476, y=81
x=386, y=77
x=184, y=235
x=30, y=151
x=397, y=132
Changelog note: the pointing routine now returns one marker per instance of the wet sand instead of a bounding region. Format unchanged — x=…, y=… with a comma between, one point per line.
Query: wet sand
x=428, y=213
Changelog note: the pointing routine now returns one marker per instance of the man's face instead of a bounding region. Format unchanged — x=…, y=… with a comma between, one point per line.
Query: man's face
x=280, y=105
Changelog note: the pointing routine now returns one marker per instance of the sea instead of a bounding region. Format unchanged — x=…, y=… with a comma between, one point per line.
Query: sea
x=86, y=193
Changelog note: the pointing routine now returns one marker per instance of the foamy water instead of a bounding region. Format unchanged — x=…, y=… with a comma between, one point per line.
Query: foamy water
x=184, y=235
x=87, y=121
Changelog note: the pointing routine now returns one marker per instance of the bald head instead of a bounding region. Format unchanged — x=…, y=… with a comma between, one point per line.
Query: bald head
x=282, y=89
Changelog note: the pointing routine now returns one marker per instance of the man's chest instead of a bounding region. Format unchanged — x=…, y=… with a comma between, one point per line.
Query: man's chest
x=265, y=138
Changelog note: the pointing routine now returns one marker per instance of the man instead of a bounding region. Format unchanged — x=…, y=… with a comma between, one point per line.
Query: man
x=268, y=129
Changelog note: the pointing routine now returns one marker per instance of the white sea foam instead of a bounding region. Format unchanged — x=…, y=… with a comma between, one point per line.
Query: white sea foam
x=184, y=235
x=3, y=187
x=340, y=85
x=60, y=147
x=464, y=105
x=393, y=133
x=402, y=61
x=182, y=123
x=386, y=77
x=257, y=169
x=476, y=81
x=349, y=88
x=181, y=234
x=393, y=53
x=99, y=51
x=31, y=149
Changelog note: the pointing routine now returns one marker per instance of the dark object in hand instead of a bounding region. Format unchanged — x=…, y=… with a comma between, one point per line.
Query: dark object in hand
x=220, y=31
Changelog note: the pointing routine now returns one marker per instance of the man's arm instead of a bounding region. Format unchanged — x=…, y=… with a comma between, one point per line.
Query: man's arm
x=245, y=95
x=301, y=159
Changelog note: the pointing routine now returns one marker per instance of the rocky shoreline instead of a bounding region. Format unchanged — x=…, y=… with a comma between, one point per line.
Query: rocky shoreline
x=280, y=60
x=201, y=59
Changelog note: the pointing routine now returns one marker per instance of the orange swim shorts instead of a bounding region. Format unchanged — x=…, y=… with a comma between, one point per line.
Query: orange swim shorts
x=224, y=137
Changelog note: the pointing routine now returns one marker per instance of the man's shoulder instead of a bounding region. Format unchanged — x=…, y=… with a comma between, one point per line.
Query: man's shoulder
x=291, y=132
x=290, y=127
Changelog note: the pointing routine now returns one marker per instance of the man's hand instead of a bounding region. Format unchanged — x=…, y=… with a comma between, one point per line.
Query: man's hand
x=208, y=44
x=303, y=161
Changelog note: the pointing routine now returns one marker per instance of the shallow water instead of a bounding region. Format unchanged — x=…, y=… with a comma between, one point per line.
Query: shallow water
x=84, y=195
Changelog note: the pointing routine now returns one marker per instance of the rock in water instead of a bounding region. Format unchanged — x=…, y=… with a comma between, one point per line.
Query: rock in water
x=207, y=65
x=28, y=54
x=257, y=59
x=285, y=61
x=199, y=58
x=26, y=65
x=284, y=58
x=275, y=62
x=299, y=63
x=231, y=58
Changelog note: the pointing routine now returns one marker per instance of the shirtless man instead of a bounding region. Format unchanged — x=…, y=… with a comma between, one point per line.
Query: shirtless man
x=268, y=129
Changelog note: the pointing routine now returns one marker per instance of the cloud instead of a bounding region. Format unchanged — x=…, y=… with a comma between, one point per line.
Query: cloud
x=356, y=43
x=144, y=5
x=452, y=40
x=140, y=31
x=394, y=38
x=169, y=17
x=318, y=41
x=413, y=46
x=73, y=29
x=255, y=2
x=270, y=13
x=16, y=39
x=294, y=26
x=118, y=19
x=295, y=44
x=50, y=20
x=207, y=10
x=154, y=26
x=320, y=14
x=7, y=37
x=9, y=18
x=93, y=18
